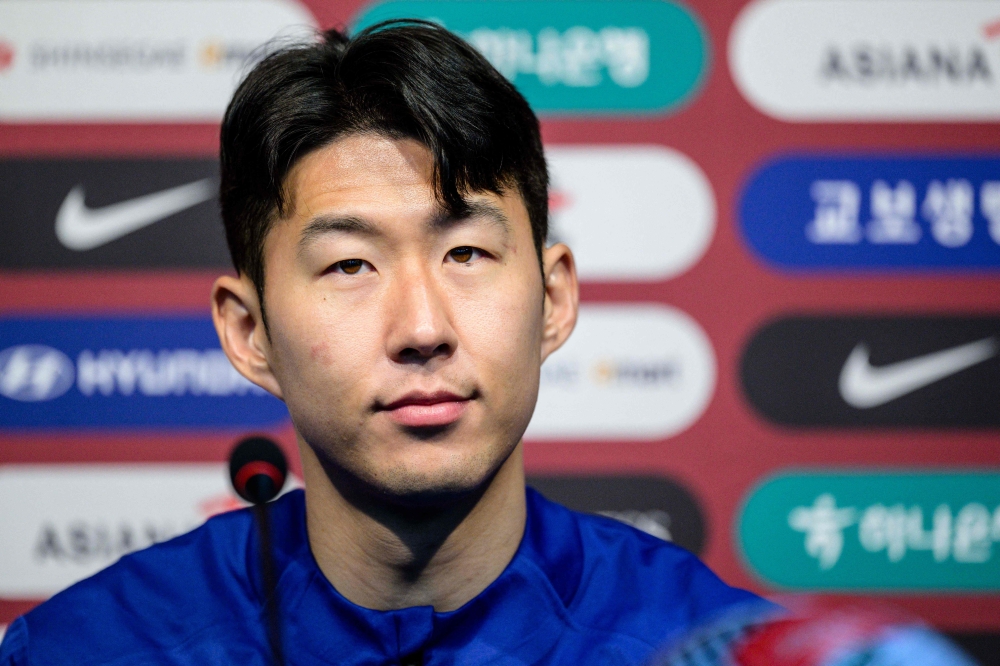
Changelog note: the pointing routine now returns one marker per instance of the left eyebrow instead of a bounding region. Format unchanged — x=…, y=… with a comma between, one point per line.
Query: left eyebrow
x=327, y=224
x=476, y=211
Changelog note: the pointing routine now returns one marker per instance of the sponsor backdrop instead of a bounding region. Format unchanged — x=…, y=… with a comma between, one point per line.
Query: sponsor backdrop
x=786, y=215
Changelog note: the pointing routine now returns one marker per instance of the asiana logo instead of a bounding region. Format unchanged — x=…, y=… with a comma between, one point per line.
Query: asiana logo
x=83, y=542
x=932, y=64
x=80, y=542
x=101, y=512
x=878, y=60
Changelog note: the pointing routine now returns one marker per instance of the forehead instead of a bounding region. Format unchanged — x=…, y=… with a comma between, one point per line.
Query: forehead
x=383, y=187
x=358, y=163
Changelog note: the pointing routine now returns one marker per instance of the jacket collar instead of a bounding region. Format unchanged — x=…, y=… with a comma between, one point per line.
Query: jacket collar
x=521, y=613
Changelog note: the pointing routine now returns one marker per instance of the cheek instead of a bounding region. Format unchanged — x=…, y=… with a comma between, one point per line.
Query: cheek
x=320, y=352
x=503, y=334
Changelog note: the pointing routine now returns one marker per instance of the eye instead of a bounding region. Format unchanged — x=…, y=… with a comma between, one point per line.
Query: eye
x=351, y=266
x=465, y=254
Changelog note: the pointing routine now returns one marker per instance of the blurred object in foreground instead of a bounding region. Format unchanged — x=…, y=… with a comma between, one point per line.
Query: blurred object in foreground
x=809, y=633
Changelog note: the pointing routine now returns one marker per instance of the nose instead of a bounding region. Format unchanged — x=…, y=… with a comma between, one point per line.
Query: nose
x=420, y=325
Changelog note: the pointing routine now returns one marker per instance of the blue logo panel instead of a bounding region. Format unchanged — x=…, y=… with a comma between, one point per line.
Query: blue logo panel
x=124, y=372
x=872, y=213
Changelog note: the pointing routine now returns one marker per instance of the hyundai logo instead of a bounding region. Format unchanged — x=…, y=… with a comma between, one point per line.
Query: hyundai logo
x=34, y=373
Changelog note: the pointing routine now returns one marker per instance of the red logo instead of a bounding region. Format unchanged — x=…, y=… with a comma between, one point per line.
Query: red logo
x=992, y=29
x=558, y=200
x=217, y=504
x=6, y=56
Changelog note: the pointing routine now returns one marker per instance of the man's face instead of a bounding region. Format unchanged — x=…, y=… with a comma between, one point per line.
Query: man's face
x=406, y=343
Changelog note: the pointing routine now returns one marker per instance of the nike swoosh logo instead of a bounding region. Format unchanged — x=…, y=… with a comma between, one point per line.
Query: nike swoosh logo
x=81, y=228
x=864, y=386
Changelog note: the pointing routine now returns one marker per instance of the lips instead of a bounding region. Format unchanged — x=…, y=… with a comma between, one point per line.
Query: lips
x=423, y=410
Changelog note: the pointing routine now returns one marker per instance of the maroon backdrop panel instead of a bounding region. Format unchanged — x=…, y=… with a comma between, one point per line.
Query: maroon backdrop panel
x=730, y=292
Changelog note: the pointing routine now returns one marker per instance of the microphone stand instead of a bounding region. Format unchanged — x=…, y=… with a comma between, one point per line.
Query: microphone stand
x=270, y=585
x=257, y=469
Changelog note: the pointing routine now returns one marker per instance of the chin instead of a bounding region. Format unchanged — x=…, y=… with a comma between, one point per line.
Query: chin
x=426, y=469
x=435, y=476
x=428, y=480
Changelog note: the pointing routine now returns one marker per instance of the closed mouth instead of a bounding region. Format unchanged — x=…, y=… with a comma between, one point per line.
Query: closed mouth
x=421, y=409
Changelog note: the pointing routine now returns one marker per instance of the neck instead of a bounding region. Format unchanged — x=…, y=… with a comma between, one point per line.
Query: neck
x=384, y=557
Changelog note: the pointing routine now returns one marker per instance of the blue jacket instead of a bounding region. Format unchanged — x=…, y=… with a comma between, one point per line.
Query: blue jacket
x=581, y=589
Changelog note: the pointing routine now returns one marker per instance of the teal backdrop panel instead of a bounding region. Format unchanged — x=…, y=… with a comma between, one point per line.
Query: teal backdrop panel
x=875, y=531
x=572, y=58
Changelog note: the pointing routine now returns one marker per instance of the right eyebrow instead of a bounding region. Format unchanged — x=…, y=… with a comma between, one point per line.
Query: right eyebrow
x=333, y=224
x=475, y=211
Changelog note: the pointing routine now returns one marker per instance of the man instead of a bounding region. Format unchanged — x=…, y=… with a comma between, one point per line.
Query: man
x=385, y=202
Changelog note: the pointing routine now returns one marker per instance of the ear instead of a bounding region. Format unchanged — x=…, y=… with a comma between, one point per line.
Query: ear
x=237, y=316
x=562, y=297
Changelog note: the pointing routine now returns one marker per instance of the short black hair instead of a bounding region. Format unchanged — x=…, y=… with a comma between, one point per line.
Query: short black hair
x=399, y=78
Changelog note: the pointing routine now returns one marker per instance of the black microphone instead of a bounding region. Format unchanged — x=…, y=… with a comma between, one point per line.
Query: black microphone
x=258, y=468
